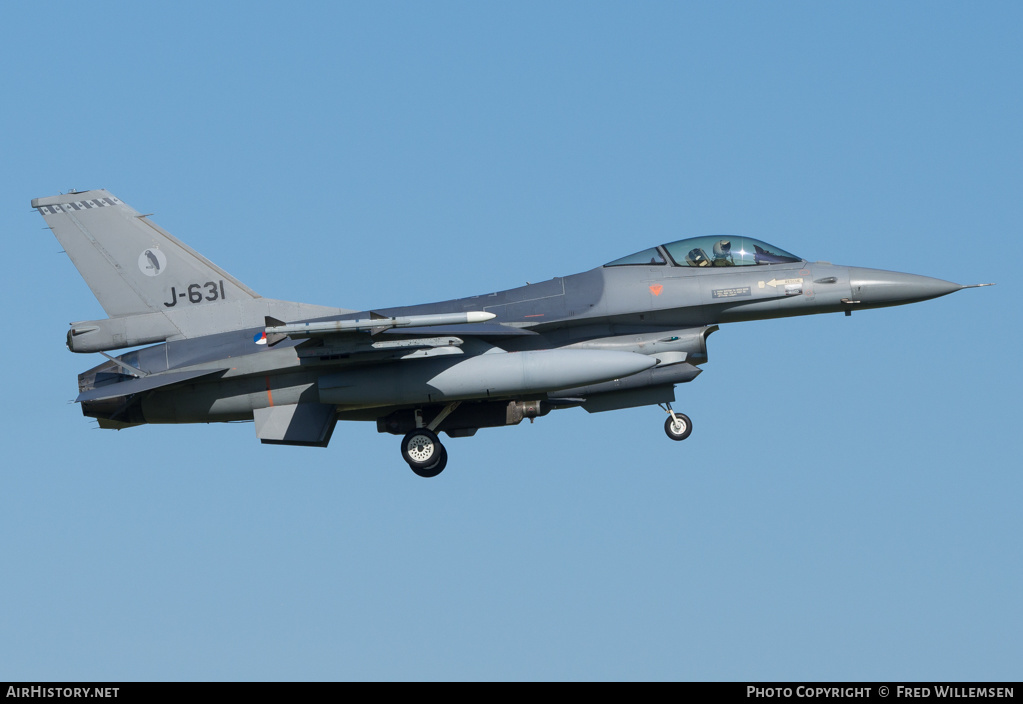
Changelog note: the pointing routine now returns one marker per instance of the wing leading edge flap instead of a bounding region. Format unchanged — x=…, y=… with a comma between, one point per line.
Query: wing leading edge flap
x=304, y=424
x=146, y=383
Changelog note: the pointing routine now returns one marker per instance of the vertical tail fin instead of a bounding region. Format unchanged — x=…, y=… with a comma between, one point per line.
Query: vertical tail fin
x=132, y=265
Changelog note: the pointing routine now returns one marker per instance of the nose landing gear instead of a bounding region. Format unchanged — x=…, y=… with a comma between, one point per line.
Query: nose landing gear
x=677, y=426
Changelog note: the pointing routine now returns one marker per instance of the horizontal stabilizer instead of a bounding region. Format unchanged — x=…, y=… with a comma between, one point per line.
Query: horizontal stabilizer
x=146, y=383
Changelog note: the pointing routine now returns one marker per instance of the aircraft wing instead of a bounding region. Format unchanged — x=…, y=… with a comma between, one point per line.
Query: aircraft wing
x=145, y=383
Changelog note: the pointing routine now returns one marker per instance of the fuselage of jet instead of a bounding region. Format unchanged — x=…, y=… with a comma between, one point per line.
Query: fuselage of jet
x=636, y=309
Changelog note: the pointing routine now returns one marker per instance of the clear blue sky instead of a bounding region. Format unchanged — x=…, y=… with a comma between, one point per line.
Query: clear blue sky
x=848, y=505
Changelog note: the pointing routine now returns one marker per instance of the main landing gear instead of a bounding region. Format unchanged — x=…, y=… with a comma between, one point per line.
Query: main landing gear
x=425, y=455
x=677, y=426
x=421, y=447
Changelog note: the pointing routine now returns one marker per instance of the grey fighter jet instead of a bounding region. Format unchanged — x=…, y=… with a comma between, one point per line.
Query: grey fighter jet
x=618, y=336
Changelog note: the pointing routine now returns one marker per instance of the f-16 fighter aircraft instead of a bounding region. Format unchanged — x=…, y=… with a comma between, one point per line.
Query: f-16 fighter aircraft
x=618, y=336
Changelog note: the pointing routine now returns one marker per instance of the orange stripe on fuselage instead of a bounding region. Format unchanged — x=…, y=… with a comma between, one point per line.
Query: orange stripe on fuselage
x=269, y=393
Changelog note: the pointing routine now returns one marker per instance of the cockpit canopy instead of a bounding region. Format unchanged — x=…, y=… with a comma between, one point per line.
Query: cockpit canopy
x=712, y=250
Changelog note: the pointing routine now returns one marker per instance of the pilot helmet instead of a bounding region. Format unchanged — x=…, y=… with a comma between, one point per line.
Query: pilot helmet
x=722, y=249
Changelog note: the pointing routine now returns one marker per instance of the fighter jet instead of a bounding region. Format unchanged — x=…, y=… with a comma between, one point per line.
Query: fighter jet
x=618, y=336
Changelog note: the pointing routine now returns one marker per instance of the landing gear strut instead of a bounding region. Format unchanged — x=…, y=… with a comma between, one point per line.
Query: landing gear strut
x=677, y=426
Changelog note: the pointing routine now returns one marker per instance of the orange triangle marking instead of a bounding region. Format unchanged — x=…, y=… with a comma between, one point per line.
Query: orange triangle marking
x=656, y=289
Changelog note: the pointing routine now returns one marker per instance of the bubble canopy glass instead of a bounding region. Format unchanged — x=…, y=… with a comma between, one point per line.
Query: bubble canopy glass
x=712, y=250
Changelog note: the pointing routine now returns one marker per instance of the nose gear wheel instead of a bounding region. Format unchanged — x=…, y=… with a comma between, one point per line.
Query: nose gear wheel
x=677, y=426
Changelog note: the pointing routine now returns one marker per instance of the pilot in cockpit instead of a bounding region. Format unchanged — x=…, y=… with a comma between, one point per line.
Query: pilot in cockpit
x=723, y=253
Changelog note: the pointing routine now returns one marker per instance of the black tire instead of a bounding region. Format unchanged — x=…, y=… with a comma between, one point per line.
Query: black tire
x=421, y=448
x=435, y=469
x=678, y=433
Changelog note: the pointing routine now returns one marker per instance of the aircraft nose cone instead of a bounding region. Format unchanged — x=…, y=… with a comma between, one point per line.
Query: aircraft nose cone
x=877, y=287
